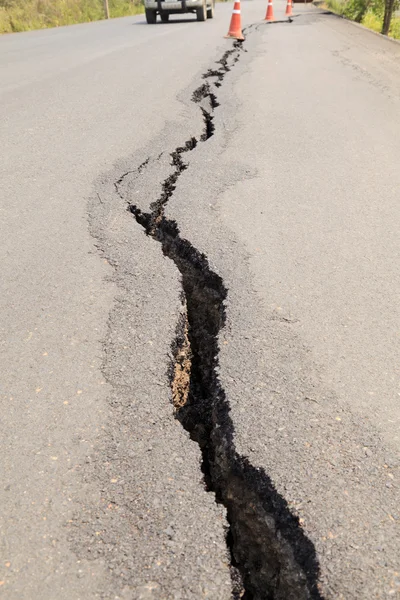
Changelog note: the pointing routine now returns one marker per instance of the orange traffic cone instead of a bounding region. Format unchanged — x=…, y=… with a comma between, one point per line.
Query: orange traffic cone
x=235, y=28
x=289, y=6
x=270, y=12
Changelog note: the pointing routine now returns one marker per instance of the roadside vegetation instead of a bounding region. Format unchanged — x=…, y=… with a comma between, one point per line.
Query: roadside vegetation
x=378, y=15
x=23, y=15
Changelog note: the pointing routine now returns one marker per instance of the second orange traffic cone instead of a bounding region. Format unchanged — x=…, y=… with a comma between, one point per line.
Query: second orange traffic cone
x=235, y=28
x=289, y=7
x=270, y=12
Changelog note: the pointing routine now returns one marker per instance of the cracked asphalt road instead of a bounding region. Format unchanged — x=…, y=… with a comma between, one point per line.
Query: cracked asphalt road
x=294, y=202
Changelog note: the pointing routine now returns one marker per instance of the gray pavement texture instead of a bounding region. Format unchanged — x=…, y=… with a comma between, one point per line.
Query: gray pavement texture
x=294, y=201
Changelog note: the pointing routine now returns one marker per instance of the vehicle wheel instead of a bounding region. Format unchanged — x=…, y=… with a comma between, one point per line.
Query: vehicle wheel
x=164, y=17
x=151, y=16
x=210, y=11
x=202, y=12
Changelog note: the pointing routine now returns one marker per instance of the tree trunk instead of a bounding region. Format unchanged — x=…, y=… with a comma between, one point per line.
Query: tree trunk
x=106, y=9
x=389, y=4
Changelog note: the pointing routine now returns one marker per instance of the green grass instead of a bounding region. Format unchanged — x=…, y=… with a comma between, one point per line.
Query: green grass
x=336, y=6
x=395, y=28
x=24, y=15
x=371, y=20
x=375, y=23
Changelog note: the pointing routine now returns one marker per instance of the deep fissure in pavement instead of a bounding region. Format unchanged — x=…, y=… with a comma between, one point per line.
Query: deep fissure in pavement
x=271, y=557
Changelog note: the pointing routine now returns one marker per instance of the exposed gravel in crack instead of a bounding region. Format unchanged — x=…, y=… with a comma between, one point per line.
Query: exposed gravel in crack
x=271, y=557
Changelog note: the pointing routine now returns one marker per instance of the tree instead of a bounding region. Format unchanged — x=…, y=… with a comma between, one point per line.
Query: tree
x=389, y=7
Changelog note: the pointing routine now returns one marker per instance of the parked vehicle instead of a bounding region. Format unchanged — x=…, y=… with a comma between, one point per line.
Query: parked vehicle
x=204, y=9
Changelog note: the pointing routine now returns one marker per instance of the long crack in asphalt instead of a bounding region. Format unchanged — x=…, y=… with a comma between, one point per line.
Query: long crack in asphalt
x=271, y=557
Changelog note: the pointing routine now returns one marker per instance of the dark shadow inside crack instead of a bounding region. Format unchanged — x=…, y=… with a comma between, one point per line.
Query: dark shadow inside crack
x=268, y=547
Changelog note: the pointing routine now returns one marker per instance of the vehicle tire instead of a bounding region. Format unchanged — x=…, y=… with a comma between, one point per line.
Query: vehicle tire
x=164, y=17
x=151, y=16
x=201, y=12
x=210, y=11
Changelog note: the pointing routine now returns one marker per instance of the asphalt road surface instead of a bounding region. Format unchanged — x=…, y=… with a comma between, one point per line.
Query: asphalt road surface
x=199, y=310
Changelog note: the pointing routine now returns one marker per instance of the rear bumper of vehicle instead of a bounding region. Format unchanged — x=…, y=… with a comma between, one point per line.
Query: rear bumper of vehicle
x=179, y=7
